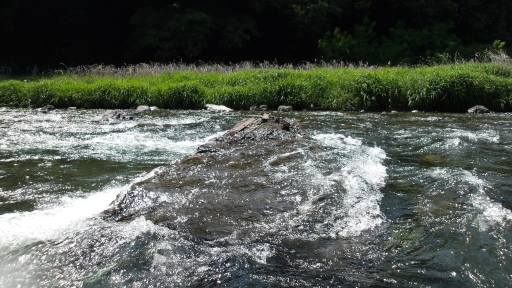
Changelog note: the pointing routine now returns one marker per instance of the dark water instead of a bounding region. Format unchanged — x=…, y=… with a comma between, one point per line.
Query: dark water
x=422, y=200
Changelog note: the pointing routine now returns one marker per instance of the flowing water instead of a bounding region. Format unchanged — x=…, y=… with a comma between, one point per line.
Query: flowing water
x=402, y=200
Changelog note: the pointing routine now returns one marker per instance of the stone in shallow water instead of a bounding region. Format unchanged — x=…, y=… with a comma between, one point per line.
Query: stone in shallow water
x=258, y=108
x=265, y=128
x=46, y=109
x=113, y=114
x=142, y=108
x=478, y=109
x=218, y=108
x=284, y=108
x=228, y=186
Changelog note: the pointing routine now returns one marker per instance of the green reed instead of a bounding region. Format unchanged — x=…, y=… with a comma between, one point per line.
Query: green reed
x=450, y=87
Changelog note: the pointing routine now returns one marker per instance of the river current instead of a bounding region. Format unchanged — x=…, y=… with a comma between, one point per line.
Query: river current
x=414, y=200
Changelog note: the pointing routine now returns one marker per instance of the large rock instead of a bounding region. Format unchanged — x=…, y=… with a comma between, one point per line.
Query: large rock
x=478, y=109
x=228, y=186
x=265, y=128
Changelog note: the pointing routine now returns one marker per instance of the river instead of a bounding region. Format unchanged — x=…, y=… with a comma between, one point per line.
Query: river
x=397, y=200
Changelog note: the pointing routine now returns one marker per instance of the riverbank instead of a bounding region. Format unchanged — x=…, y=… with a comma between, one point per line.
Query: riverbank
x=453, y=87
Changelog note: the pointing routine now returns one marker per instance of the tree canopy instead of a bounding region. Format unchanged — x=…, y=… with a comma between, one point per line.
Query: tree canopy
x=47, y=34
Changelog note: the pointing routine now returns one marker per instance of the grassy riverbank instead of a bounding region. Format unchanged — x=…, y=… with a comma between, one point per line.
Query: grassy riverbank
x=450, y=87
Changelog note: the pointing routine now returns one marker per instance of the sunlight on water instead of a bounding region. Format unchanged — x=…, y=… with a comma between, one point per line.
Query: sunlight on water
x=69, y=216
x=485, y=212
x=363, y=175
x=405, y=201
x=489, y=136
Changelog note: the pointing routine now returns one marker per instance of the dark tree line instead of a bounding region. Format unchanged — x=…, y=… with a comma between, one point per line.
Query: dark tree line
x=46, y=33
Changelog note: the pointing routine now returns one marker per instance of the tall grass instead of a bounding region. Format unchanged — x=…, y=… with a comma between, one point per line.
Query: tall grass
x=453, y=86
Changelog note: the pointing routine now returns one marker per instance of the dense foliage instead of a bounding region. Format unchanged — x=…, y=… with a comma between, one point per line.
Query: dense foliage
x=38, y=35
x=453, y=87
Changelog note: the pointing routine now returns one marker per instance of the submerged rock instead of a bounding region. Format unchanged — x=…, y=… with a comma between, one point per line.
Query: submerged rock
x=478, y=109
x=229, y=185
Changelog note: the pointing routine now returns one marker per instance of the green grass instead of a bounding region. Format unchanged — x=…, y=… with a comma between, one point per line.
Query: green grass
x=451, y=87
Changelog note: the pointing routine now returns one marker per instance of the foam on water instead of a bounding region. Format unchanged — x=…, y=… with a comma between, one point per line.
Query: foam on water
x=118, y=145
x=485, y=212
x=117, y=140
x=490, y=212
x=490, y=136
x=342, y=190
x=444, y=222
x=362, y=174
x=66, y=217
x=69, y=216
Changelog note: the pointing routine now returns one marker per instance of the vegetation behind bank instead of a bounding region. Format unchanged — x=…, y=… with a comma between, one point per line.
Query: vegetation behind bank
x=452, y=87
x=40, y=35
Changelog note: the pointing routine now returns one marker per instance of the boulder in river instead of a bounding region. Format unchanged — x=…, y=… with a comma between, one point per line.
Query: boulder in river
x=261, y=129
x=114, y=114
x=350, y=108
x=221, y=109
x=284, y=108
x=230, y=184
x=142, y=108
x=258, y=108
x=111, y=114
x=145, y=108
x=46, y=109
x=478, y=109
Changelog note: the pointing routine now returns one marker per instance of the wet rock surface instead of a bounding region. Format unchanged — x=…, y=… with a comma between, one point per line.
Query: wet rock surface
x=46, y=109
x=284, y=108
x=114, y=114
x=478, y=109
x=232, y=184
x=265, y=128
x=220, y=109
x=258, y=108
